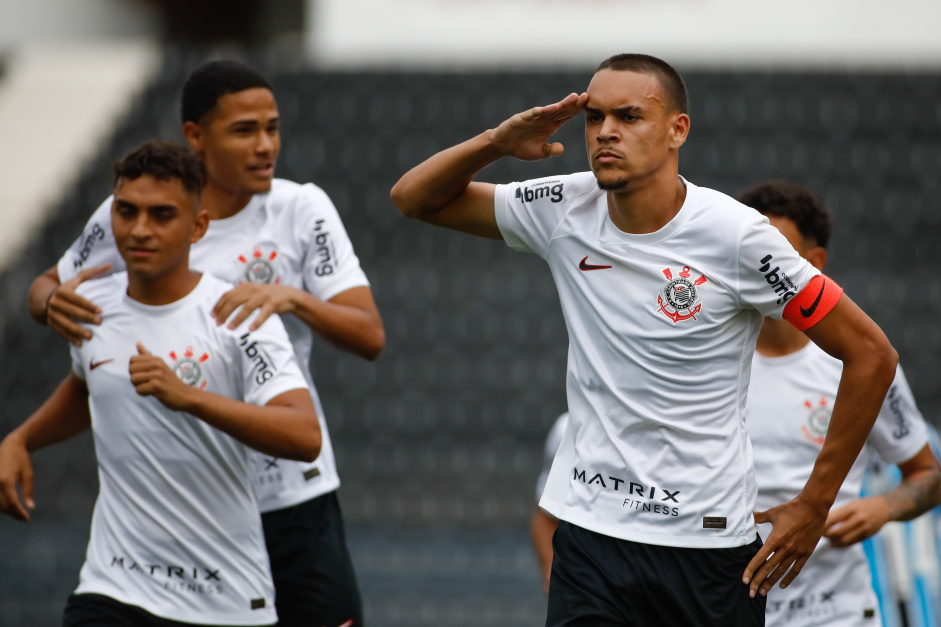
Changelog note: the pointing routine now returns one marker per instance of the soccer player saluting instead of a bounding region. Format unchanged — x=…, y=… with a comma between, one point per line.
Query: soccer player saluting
x=790, y=398
x=176, y=534
x=285, y=246
x=663, y=287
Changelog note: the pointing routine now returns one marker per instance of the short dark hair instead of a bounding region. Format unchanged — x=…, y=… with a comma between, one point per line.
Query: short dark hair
x=671, y=81
x=794, y=202
x=214, y=80
x=164, y=160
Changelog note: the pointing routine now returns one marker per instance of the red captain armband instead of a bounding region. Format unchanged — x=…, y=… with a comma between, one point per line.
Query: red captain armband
x=813, y=302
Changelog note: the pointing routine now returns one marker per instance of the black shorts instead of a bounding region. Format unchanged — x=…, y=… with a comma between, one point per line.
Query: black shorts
x=314, y=581
x=97, y=610
x=599, y=581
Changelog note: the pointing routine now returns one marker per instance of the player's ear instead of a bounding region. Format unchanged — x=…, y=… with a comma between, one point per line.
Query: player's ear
x=679, y=130
x=194, y=135
x=200, y=224
x=817, y=256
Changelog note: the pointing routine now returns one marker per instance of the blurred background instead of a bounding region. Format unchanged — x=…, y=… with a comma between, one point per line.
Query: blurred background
x=439, y=442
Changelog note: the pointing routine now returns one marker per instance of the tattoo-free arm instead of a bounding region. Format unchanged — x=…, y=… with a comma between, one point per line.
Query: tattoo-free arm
x=64, y=415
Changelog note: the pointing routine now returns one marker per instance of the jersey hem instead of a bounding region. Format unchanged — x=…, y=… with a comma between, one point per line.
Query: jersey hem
x=275, y=504
x=265, y=618
x=676, y=541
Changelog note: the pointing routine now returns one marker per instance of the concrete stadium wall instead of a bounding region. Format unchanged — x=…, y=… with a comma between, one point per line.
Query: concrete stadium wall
x=29, y=22
x=573, y=33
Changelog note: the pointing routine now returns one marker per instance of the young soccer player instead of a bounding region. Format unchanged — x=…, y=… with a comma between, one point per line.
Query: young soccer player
x=285, y=247
x=663, y=286
x=174, y=402
x=790, y=399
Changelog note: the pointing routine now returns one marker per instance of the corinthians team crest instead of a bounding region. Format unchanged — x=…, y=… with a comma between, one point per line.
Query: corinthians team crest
x=679, y=299
x=189, y=367
x=818, y=421
x=259, y=268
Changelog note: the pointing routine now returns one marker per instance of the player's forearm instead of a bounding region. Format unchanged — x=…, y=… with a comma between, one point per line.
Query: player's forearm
x=352, y=329
x=541, y=528
x=40, y=291
x=917, y=494
x=286, y=431
x=863, y=386
x=440, y=179
x=64, y=414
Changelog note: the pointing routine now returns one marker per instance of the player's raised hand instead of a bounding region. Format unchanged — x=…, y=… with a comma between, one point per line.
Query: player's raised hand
x=262, y=297
x=65, y=309
x=151, y=376
x=526, y=135
x=15, y=469
x=796, y=527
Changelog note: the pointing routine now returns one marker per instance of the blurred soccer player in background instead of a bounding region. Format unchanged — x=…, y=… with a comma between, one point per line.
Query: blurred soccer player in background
x=663, y=286
x=285, y=246
x=793, y=386
x=176, y=535
x=542, y=525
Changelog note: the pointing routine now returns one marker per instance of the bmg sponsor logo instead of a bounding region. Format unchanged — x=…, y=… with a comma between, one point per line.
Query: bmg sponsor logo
x=541, y=190
x=779, y=282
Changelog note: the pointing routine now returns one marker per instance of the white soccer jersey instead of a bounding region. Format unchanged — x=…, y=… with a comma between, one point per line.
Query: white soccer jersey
x=789, y=405
x=661, y=331
x=551, y=447
x=176, y=528
x=291, y=235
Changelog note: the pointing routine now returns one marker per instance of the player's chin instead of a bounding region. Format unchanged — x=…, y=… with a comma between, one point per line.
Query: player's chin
x=611, y=181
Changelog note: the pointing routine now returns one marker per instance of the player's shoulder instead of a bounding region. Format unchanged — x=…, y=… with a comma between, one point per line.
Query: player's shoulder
x=212, y=287
x=720, y=209
x=104, y=290
x=288, y=195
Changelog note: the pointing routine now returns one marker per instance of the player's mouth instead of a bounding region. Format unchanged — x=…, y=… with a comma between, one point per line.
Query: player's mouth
x=262, y=170
x=139, y=252
x=607, y=156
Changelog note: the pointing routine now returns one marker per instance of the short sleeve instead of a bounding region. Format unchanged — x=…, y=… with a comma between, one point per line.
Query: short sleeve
x=94, y=247
x=267, y=361
x=78, y=368
x=330, y=264
x=770, y=272
x=553, y=440
x=900, y=430
x=528, y=213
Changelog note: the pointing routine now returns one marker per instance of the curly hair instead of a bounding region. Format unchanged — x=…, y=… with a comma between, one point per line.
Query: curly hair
x=164, y=160
x=798, y=204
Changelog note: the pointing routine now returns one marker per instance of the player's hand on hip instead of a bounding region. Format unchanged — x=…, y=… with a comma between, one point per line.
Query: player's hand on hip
x=15, y=469
x=151, y=376
x=796, y=527
x=264, y=298
x=526, y=135
x=65, y=309
x=856, y=521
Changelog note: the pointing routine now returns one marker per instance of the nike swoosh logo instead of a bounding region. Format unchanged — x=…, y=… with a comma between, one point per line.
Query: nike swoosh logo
x=94, y=364
x=810, y=311
x=584, y=266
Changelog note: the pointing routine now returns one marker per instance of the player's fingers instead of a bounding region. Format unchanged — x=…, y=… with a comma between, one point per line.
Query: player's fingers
x=263, y=314
x=143, y=351
x=91, y=273
x=763, y=517
x=794, y=571
x=226, y=305
x=10, y=501
x=78, y=312
x=73, y=333
x=553, y=150
x=251, y=304
x=763, y=572
x=837, y=516
x=760, y=557
x=27, y=487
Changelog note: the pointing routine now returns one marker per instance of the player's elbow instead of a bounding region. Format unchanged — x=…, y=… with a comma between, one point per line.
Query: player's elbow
x=374, y=343
x=309, y=442
x=403, y=200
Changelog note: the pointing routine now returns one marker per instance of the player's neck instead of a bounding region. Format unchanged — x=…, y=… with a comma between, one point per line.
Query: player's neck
x=647, y=206
x=221, y=202
x=164, y=288
x=778, y=338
